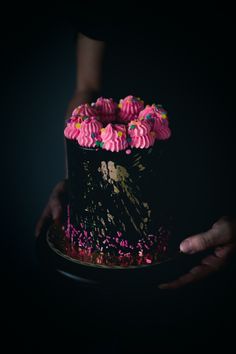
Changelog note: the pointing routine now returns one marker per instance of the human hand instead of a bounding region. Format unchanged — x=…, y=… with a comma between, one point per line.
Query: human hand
x=53, y=211
x=221, y=238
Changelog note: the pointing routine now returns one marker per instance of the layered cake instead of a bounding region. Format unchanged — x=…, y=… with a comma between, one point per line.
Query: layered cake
x=115, y=215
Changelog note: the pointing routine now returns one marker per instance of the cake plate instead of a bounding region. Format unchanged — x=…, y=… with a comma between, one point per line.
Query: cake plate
x=53, y=255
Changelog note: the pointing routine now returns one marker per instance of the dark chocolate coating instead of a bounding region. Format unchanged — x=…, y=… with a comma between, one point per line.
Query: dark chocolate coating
x=116, y=191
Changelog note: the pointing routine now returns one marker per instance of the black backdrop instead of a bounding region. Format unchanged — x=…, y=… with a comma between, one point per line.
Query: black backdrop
x=195, y=80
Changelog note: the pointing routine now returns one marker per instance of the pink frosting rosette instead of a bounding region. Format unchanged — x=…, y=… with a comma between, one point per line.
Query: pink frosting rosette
x=157, y=118
x=149, y=114
x=106, y=109
x=89, y=132
x=163, y=132
x=72, y=129
x=114, y=137
x=130, y=107
x=84, y=110
x=140, y=133
x=161, y=127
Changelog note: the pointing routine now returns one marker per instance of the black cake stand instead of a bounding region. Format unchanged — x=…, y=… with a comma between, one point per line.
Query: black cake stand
x=53, y=259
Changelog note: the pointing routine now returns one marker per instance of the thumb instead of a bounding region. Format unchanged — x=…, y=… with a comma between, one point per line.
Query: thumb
x=200, y=242
x=220, y=234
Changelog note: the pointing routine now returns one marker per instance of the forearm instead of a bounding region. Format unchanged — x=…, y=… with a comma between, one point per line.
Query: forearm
x=89, y=74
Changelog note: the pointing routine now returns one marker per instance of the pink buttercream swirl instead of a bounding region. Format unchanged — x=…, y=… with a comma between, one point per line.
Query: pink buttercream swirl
x=130, y=107
x=72, y=129
x=114, y=137
x=141, y=135
x=149, y=114
x=163, y=132
x=84, y=110
x=158, y=120
x=106, y=108
x=89, y=132
x=161, y=127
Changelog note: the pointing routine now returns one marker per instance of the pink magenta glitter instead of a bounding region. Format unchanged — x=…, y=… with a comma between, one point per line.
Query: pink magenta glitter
x=83, y=244
x=128, y=151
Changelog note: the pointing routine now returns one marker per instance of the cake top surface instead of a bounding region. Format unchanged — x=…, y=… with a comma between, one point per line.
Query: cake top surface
x=106, y=124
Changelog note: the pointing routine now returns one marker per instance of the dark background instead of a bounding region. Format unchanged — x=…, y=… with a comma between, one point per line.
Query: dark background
x=190, y=69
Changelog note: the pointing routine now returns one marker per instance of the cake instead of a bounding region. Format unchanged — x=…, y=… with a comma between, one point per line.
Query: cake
x=115, y=214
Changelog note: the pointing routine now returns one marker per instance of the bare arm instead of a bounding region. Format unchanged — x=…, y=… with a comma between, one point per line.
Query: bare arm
x=89, y=58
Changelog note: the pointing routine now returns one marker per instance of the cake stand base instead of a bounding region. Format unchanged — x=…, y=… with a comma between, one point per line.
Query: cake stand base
x=53, y=258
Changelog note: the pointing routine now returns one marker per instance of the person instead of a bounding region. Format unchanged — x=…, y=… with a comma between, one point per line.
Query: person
x=220, y=238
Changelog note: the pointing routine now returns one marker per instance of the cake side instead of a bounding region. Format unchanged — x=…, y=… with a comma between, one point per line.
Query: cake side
x=114, y=208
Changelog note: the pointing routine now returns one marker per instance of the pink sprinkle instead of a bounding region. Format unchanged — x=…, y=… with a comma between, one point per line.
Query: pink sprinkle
x=122, y=243
x=128, y=151
x=119, y=233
